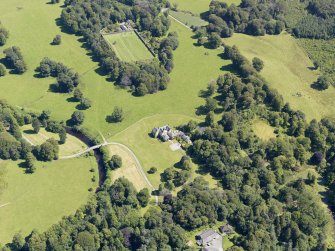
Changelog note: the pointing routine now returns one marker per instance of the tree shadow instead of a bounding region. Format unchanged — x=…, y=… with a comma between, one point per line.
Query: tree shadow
x=62, y=27
x=70, y=123
x=81, y=107
x=72, y=100
x=29, y=131
x=316, y=86
x=204, y=15
x=201, y=110
x=53, y=88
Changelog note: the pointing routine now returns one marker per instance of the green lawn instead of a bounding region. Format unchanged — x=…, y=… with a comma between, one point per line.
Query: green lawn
x=128, y=47
x=129, y=168
x=187, y=18
x=71, y=146
x=198, y=6
x=41, y=199
x=288, y=69
x=152, y=152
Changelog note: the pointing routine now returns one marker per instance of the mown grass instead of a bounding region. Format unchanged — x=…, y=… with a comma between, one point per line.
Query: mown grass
x=71, y=146
x=41, y=199
x=187, y=18
x=289, y=70
x=129, y=168
x=128, y=47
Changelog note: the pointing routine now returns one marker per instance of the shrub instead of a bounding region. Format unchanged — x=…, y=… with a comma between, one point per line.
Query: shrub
x=323, y=82
x=57, y=40
x=117, y=115
x=152, y=170
x=85, y=103
x=2, y=70
x=257, y=63
x=77, y=117
x=115, y=162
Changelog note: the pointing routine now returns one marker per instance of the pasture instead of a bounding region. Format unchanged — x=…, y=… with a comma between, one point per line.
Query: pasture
x=187, y=18
x=181, y=97
x=128, y=47
x=41, y=199
x=71, y=146
x=289, y=70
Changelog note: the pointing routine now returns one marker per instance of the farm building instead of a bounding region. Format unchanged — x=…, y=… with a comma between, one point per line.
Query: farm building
x=226, y=229
x=166, y=133
x=206, y=237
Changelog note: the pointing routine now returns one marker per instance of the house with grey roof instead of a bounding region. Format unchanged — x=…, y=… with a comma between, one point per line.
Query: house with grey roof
x=206, y=237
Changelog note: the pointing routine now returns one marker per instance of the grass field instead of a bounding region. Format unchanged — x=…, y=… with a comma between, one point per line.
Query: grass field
x=39, y=200
x=263, y=130
x=129, y=168
x=128, y=47
x=187, y=18
x=71, y=146
x=198, y=6
x=288, y=69
x=187, y=77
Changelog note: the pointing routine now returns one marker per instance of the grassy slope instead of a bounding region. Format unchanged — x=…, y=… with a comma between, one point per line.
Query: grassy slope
x=43, y=198
x=35, y=23
x=129, y=168
x=287, y=70
x=187, y=18
x=128, y=46
x=187, y=79
x=198, y=6
x=71, y=146
x=153, y=152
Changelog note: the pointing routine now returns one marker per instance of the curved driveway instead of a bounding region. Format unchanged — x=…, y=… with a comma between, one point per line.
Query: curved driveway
x=138, y=164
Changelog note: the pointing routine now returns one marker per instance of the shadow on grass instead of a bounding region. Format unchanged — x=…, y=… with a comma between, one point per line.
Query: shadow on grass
x=29, y=131
x=201, y=110
x=72, y=100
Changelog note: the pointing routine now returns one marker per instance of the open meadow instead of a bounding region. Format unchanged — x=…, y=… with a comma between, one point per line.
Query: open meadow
x=41, y=199
x=289, y=70
x=181, y=97
x=128, y=47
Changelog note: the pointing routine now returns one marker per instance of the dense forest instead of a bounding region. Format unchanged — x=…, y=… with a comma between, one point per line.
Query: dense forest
x=88, y=18
x=314, y=18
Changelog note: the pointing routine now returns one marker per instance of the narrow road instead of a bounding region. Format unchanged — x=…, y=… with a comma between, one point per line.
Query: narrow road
x=138, y=164
x=3, y=205
x=180, y=22
x=26, y=139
